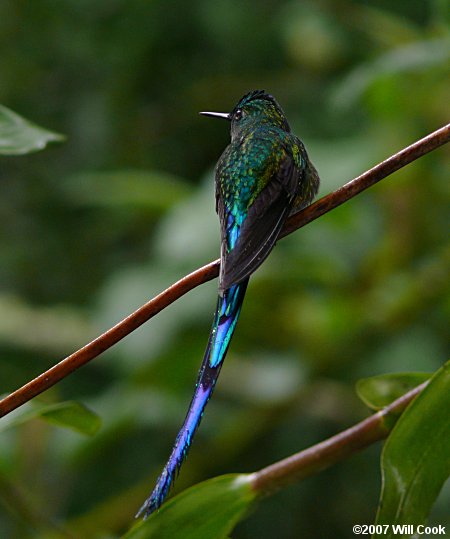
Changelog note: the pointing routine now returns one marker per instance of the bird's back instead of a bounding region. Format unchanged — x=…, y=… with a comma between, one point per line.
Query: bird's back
x=260, y=177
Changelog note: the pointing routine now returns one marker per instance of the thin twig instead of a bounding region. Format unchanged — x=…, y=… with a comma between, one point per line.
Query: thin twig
x=318, y=457
x=68, y=365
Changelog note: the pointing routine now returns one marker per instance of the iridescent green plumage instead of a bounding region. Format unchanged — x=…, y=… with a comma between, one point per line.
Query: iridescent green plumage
x=261, y=177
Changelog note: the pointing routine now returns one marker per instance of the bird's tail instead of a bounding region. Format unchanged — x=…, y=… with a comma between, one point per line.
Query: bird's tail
x=225, y=318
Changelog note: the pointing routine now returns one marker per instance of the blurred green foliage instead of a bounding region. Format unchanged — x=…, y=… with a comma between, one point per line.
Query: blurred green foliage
x=19, y=137
x=416, y=457
x=94, y=227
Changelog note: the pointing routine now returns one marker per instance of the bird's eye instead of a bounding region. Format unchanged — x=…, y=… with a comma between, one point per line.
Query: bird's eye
x=238, y=114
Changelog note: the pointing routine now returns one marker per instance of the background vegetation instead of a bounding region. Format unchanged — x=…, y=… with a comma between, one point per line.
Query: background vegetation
x=92, y=228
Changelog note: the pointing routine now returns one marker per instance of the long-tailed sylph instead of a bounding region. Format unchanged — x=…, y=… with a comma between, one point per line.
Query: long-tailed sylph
x=262, y=177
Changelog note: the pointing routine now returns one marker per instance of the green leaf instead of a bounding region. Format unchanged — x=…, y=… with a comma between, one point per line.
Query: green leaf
x=19, y=136
x=148, y=189
x=69, y=414
x=379, y=391
x=209, y=510
x=412, y=57
x=416, y=457
x=72, y=415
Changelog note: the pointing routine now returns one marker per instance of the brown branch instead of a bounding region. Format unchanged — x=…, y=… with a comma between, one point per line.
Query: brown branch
x=68, y=365
x=318, y=457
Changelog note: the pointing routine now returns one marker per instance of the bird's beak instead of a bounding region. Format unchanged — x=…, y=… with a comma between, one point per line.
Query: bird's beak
x=224, y=115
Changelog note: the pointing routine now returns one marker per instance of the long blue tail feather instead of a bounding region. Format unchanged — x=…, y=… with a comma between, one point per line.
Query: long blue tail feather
x=225, y=319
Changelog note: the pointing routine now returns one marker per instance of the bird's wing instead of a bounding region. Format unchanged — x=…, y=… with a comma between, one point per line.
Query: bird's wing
x=257, y=234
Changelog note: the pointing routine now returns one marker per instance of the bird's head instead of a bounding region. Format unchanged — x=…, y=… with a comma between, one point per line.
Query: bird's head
x=253, y=109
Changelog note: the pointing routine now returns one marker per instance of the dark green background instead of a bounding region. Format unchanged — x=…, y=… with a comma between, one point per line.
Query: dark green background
x=93, y=228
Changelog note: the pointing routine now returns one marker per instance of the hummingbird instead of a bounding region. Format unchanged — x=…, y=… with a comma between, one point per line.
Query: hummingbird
x=262, y=177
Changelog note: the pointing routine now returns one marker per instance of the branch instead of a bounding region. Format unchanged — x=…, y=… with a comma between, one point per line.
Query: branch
x=327, y=203
x=324, y=454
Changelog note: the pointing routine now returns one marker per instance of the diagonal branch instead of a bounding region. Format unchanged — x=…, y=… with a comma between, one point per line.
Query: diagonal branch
x=327, y=203
x=320, y=456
